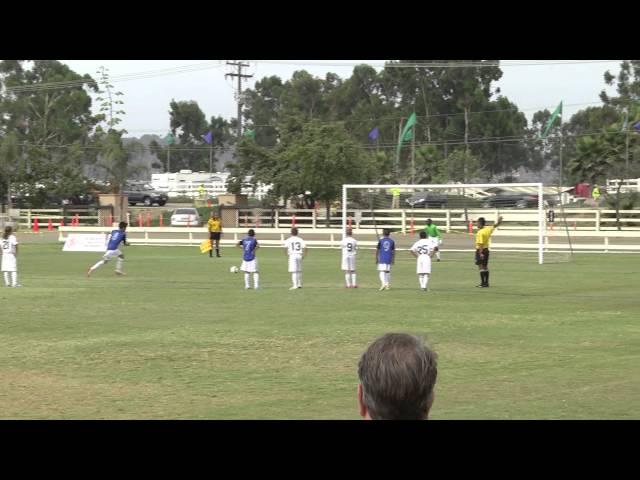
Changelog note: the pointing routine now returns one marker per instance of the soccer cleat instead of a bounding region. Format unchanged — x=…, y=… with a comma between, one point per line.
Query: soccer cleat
x=438, y=260
x=299, y=286
x=293, y=288
x=355, y=286
x=247, y=288
x=16, y=286
x=382, y=287
x=387, y=287
x=118, y=272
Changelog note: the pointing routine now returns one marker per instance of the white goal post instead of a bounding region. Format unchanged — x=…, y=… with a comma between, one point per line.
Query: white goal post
x=460, y=193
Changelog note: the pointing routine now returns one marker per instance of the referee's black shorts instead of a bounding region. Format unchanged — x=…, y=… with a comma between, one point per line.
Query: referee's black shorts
x=214, y=235
x=482, y=261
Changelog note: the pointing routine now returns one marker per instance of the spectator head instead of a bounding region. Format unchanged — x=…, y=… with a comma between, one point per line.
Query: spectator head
x=397, y=377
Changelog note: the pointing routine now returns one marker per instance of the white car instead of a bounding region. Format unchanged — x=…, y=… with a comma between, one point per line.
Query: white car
x=185, y=217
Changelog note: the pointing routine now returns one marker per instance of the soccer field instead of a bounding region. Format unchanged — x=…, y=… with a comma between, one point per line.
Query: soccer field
x=179, y=337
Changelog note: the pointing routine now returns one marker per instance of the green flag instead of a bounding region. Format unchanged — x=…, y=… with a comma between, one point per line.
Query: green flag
x=250, y=133
x=168, y=139
x=556, y=112
x=406, y=133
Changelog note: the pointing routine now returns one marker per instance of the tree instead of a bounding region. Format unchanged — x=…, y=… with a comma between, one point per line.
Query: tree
x=319, y=162
x=45, y=105
x=8, y=160
x=188, y=123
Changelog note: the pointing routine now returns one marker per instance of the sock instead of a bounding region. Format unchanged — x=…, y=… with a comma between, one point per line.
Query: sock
x=294, y=279
x=486, y=277
x=382, y=278
x=481, y=277
x=255, y=280
x=347, y=278
x=7, y=282
x=438, y=254
x=247, y=282
x=14, y=278
x=421, y=280
x=217, y=252
x=387, y=277
x=426, y=280
x=353, y=279
x=119, y=264
x=299, y=279
x=99, y=264
x=211, y=253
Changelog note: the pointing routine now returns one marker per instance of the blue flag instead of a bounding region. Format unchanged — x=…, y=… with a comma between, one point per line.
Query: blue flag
x=374, y=134
x=208, y=137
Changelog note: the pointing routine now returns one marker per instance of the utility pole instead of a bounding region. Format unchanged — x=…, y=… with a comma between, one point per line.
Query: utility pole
x=240, y=76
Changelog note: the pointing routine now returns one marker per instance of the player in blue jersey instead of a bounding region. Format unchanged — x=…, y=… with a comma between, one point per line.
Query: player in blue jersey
x=249, y=261
x=385, y=255
x=115, y=238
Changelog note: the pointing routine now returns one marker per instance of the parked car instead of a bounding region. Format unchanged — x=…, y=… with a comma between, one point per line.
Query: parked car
x=185, y=217
x=427, y=200
x=516, y=200
x=144, y=194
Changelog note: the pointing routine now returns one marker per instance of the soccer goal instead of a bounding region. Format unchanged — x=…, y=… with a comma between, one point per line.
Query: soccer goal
x=454, y=208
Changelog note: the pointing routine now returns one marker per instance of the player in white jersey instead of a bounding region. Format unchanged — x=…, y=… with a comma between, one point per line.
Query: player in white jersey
x=296, y=249
x=423, y=250
x=9, y=246
x=349, y=250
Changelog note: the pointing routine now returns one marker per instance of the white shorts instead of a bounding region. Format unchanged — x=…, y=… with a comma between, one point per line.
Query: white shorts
x=9, y=263
x=111, y=254
x=435, y=241
x=249, y=266
x=423, y=264
x=349, y=264
x=384, y=267
x=295, y=263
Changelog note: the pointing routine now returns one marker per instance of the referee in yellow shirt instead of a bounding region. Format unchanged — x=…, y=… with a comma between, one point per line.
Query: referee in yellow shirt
x=214, y=225
x=483, y=240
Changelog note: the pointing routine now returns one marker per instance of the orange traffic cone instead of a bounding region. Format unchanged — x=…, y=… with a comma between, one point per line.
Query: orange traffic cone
x=36, y=227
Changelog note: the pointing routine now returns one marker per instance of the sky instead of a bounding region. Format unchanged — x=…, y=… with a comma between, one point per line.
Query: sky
x=149, y=85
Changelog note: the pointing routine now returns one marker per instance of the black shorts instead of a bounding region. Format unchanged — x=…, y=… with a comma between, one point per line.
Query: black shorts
x=214, y=235
x=482, y=261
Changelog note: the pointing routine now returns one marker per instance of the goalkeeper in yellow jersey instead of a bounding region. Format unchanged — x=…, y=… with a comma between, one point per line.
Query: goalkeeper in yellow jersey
x=483, y=241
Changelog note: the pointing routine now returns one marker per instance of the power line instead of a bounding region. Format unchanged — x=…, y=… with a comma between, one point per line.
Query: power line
x=116, y=78
x=434, y=64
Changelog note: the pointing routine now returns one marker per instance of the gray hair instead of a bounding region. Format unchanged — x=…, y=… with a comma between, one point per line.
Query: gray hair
x=398, y=373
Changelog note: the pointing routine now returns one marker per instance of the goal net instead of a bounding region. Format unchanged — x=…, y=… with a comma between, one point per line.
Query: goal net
x=529, y=214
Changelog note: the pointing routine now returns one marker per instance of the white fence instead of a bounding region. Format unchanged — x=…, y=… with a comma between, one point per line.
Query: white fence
x=503, y=238
x=448, y=220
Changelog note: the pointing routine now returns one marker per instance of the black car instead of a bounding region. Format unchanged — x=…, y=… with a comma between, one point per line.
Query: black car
x=427, y=200
x=144, y=194
x=515, y=200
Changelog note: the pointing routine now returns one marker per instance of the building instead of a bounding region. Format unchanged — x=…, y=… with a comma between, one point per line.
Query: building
x=186, y=183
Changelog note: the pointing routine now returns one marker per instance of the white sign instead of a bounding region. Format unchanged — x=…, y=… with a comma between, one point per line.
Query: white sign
x=86, y=242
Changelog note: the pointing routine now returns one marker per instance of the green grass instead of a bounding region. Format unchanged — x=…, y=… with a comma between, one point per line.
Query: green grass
x=179, y=337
